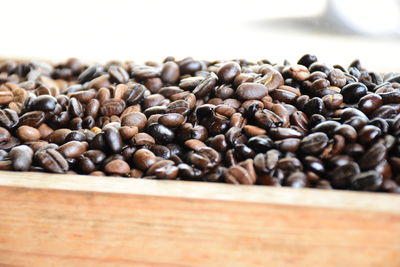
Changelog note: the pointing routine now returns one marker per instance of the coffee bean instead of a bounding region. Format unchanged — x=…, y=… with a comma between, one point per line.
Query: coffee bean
x=314, y=106
x=117, y=166
x=172, y=119
x=170, y=72
x=372, y=157
x=4, y=135
x=342, y=175
x=228, y=72
x=113, y=139
x=369, y=103
x=134, y=119
x=161, y=133
x=27, y=133
x=112, y=107
x=32, y=118
x=164, y=169
x=205, y=158
x=296, y=180
x=143, y=159
x=282, y=133
x=314, y=143
x=21, y=157
x=367, y=181
x=248, y=91
x=353, y=92
x=44, y=103
x=307, y=60
x=51, y=160
x=73, y=149
x=118, y=74
x=8, y=118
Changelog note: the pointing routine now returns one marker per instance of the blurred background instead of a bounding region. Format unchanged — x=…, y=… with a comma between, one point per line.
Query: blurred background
x=336, y=31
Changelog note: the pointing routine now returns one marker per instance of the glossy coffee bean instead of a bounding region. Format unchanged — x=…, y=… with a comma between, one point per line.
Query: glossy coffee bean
x=314, y=143
x=227, y=72
x=353, y=92
x=247, y=91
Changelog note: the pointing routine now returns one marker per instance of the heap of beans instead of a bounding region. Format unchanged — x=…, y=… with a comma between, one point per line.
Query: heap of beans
x=299, y=125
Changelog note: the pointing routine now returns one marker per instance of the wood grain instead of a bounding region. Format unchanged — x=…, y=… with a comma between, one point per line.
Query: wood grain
x=53, y=221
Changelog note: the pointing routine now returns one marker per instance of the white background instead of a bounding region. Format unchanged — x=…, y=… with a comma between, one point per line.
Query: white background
x=151, y=30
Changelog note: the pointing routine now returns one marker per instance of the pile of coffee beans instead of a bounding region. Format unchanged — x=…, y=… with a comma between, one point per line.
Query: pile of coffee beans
x=299, y=125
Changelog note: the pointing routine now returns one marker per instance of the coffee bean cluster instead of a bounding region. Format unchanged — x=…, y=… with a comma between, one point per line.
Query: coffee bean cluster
x=300, y=125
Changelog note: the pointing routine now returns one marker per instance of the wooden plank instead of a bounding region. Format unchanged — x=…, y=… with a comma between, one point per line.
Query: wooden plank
x=89, y=221
x=216, y=191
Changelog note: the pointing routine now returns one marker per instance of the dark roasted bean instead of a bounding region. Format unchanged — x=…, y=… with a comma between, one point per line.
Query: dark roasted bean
x=51, y=160
x=113, y=139
x=372, y=157
x=314, y=143
x=367, y=181
x=353, y=92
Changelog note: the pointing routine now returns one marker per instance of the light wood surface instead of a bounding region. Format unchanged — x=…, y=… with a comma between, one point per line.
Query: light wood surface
x=60, y=220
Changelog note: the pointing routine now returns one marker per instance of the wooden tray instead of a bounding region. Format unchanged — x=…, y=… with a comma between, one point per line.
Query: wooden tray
x=71, y=220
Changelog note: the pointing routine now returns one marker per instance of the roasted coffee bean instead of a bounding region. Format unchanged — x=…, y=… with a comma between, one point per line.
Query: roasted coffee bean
x=228, y=72
x=143, y=159
x=373, y=156
x=367, y=181
x=90, y=73
x=164, y=169
x=112, y=107
x=46, y=103
x=248, y=91
x=51, y=160
x=171, y=119
x=239, y=175
x=368, y=134
x=8, y=118
x=282, y=133
x=314, y=106
x=75, y=108
x=342, y=175
x=206, y=86
x=314, y=143
x=369, y=103
x=267, y=119
x=117, y=166
x=353, y=92
x=307, y=60
x=267, y=162
x=133, y=118
x=204, y=158
x=337, y=78
x=260, y=143
x=296, y=180
x=32, y=118
x=92, y=108
x=113, y=139
x=4, y=135
x=73, y=149
x=118, y=74
x=27, y=133
x=142, y=139
x=21, y=157
x=162, y=134
x=170, y=72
